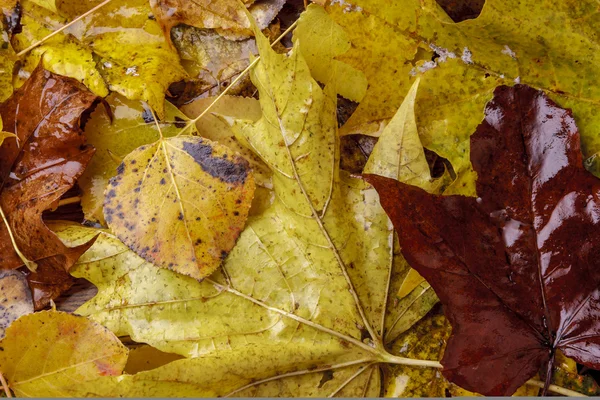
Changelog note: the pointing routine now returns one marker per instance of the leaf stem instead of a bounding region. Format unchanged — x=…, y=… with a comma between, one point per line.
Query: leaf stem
x=5, y=386
x=70, y=200
x=392, y=359
x=434, y=364
x=32, y=266
x=56, y=32
x=235, y=81
x=556, y=389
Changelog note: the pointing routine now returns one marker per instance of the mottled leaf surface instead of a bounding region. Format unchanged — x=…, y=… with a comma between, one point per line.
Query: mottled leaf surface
x=15, y=298
x=128, y=125
x=50, y=353
x=180, y=203
x=36, y=170
x=515, y=267
x=118, y=48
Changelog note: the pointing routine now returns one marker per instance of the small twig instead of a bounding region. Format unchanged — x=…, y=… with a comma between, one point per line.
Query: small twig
x=236, y=80
x=56, y=32
x=5, y=386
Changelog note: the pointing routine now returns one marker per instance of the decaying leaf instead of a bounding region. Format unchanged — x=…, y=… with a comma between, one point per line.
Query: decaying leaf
x=322, y=41
x=128, y=126
x=145, y=358
x=9, y=21
x=119, y=47
x=463, y=63
x=515, y=267
x=228, y=17
x=49, y=353
x=300, y=304
x=180, y=203
x=15, y=298
x=36, y=170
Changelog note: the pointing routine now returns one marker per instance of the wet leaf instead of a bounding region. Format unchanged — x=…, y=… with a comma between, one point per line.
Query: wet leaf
x=36, y=170
x=180, y=203
x=128, y=126
x=515, y=284
x=15, y=298
x=50, y=353
x=463, y=63
x=117, y=47
x=322, y=41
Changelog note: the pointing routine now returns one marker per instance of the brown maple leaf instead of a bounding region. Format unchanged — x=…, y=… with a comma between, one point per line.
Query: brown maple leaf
x=36, y=169
x=518, y=268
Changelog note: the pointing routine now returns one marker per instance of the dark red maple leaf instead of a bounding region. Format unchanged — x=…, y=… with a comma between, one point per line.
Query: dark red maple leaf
x=36, y=169
x=518, y=268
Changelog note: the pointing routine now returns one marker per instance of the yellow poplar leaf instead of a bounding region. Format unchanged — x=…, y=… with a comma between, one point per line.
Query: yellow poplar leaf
x=15, y=298
x=47, y=4
x=300, y=305
x=49, y=353
x=180, y=203
x=132, y=125
x=117, y=47
x=322, y=41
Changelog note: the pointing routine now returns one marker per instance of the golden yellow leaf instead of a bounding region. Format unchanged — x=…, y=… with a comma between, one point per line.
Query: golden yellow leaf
x=322, y=41
x=117, y=47
x=132, y=125
x=180, y=203
x=49, y=353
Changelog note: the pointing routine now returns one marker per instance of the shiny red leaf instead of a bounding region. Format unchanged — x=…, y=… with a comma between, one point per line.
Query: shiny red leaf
x=36, y=169
x=518, y=268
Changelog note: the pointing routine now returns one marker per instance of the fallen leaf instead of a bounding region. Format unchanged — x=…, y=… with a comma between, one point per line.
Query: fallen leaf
x=118, y=47
x=115, y=134
x=228, y=17
x=180, y=203
x=393, y=40
x=36, y=170
x=15, y=298
x=49, y=353
x=322, y=41
x=212, y=60
x=300, y=304
x=9, y=21
x=515, y=285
